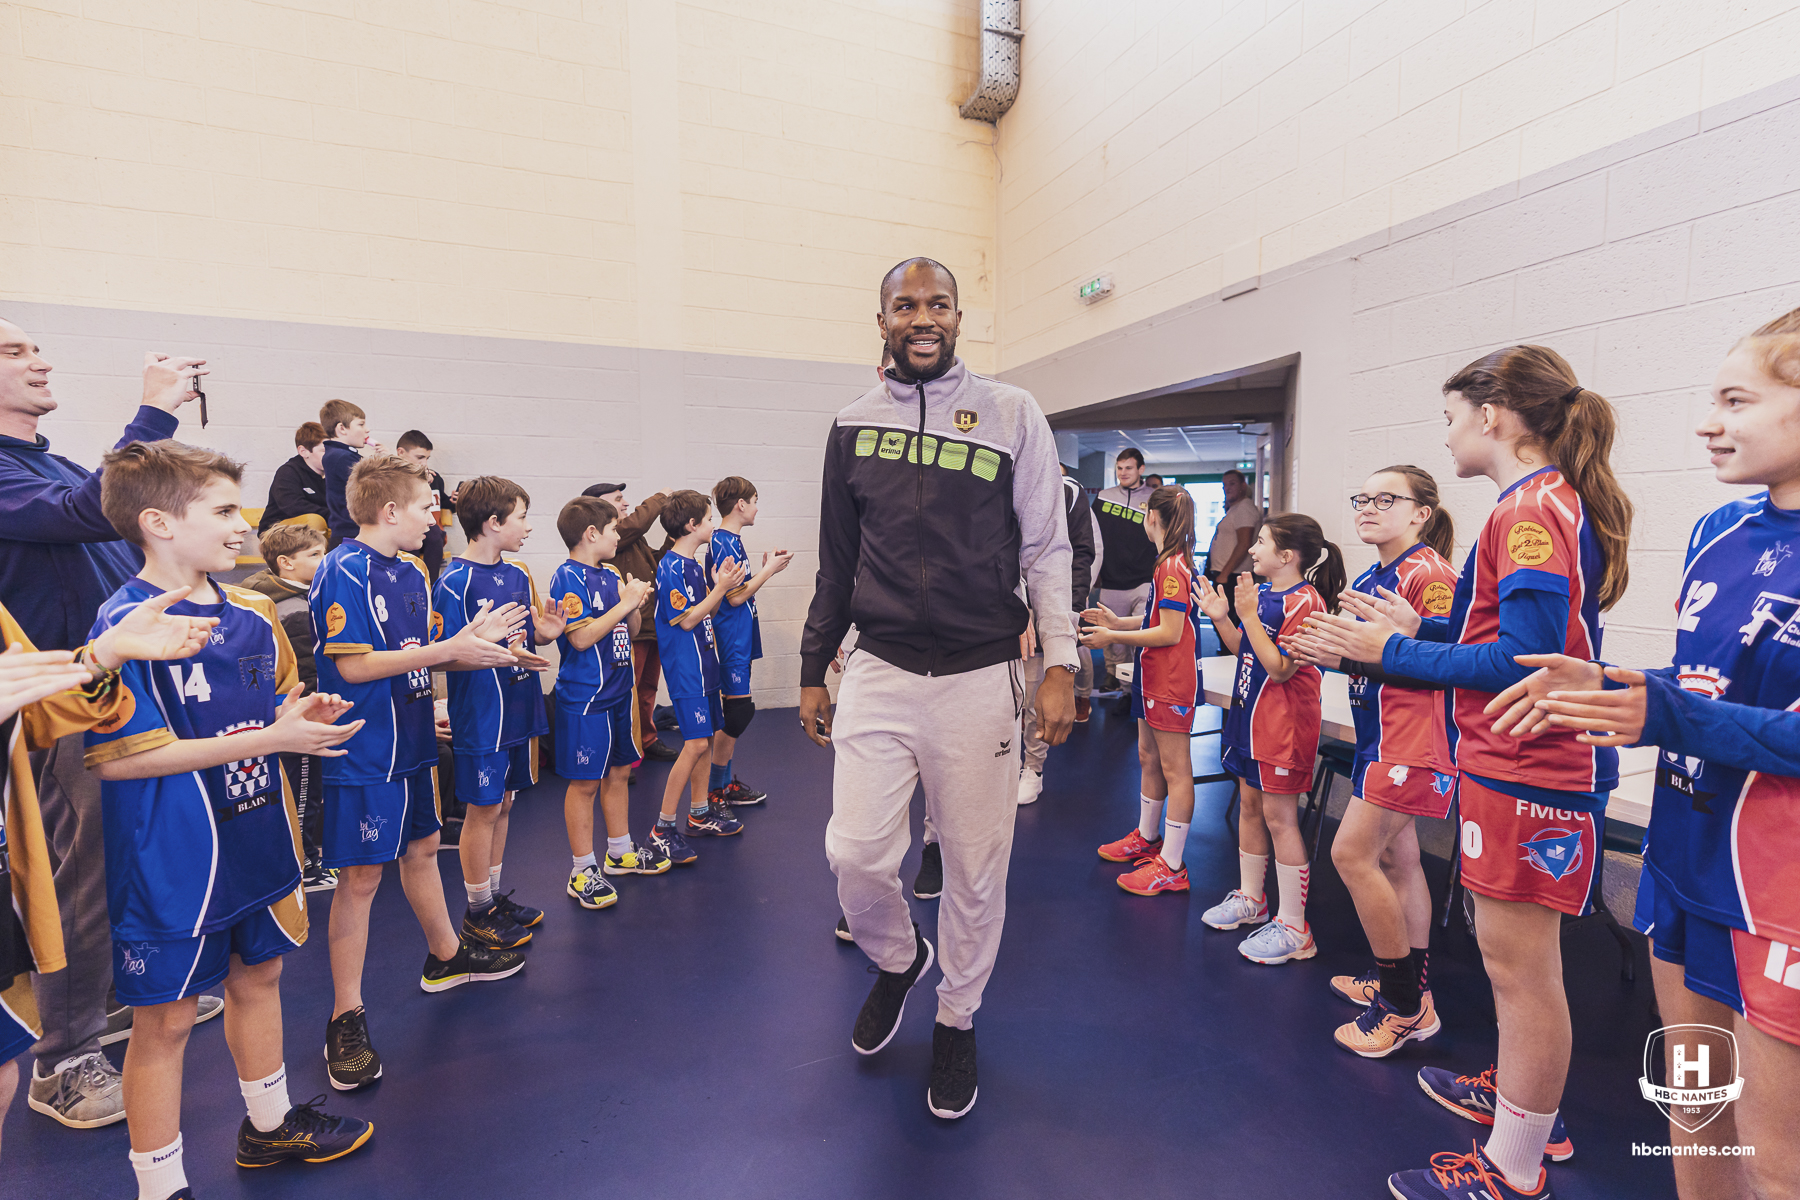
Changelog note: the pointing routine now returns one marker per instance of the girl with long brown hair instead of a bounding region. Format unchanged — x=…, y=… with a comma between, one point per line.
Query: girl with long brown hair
x=1550, y=557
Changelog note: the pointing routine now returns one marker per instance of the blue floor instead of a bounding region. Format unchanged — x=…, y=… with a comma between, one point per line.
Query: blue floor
x=693, y=1041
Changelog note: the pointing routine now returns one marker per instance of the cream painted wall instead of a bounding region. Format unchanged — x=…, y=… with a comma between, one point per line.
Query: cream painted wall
x=1186, y=145
x=704, y=176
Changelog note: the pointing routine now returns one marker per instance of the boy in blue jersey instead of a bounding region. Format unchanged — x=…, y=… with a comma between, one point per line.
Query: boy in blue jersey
x=739, y=635
x=376, y=647
x=497, y=715
x=202, y=840
x=690, y=663
x=596, y=708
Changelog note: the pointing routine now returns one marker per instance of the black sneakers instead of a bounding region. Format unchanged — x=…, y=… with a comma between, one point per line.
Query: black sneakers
x=522, y=915
x=307, y=1134
x=657, y=750
x=879, y=1019
x=738, y=794
x=350, y=1059
x=952, y=1091
x=472, y=964
x=930, y=883
x=843, y=930
x=492, y=929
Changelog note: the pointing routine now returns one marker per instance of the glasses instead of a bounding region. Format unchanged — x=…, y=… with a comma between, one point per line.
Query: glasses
x=1381, y=500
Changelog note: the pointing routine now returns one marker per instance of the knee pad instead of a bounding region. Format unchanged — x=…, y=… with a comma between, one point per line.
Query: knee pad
x=738, y=711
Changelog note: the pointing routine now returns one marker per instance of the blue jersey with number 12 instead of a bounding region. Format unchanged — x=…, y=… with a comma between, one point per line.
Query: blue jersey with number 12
x=496, y=707
x=736, y=625
x=601, y=675
x=690, y=657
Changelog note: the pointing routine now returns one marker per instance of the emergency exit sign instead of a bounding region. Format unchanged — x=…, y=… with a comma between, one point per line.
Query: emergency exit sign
x=1097, y=288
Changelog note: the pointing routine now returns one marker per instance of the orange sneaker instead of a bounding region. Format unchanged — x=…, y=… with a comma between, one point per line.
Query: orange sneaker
x=1380, y=1030
x=1358, y=989
x=1154, y=875
x=1130, y=848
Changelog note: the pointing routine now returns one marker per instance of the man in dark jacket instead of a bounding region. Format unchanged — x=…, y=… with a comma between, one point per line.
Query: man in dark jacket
x=1081, y=542
x=636, y=560
x=298, y=488
x=60, y=559
x=941, y=494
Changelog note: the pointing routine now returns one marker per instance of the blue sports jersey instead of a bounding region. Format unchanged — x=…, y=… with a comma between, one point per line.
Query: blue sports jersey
x=690, y=657
x=363, y=601
x=600, y=676
x=738, y=630
x=495, y=707
x=1723, y=839
x=192, y=853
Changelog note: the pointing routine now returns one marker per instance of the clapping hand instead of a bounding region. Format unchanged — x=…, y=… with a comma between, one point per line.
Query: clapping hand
x=1523, y=716
x=1603, y=718
x=27, y=677
x=304, y=724
x=1247, y=597
x=728, y=575
x=484, y=641
x=781, y=559
x=1213, y=602
x=1363, y=640
x=634, y=592
x=149, y=633
x=1307, y=648
x=550, y=623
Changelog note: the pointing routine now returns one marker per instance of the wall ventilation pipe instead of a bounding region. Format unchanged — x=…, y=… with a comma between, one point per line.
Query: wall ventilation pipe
x=999, y=86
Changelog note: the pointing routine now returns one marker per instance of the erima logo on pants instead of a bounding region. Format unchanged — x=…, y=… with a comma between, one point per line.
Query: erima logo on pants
x=1005, y=749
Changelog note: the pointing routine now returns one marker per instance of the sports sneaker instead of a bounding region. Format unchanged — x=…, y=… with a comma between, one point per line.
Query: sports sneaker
x=1236, y=909
x=1031, y=786
x=1472, y=1097
x=118, y=1018
x=1471, y=1176
x=522, y=915
x=843, y=931
x=928, y=884
x=639, y=860
x=1154, y=875
x=1278, y=942
x=84, y=1092
x=879, y=1019
x=1357, y=989
x=493, y=929
x=657, y=750
x=737, y=793
x=591, y=890
x=1380, y=1031
x=952, y=1091
x=350, y=1058
x=714, y=821
x=472, y=964
x=318, y=878
x=666, y=841
x=1130, y=848
x=308, y=1134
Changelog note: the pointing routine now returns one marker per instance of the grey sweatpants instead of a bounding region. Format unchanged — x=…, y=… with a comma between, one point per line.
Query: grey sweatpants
x=72, y=1002
x=958, y=735
x=1035, y=747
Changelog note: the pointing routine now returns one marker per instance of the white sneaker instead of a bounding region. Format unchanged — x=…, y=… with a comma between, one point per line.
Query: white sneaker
x=1277, y=942
x=1236, y=909
x=1031, y=786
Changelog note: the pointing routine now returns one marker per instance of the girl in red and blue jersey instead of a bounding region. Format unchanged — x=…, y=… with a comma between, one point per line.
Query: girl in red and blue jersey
x=1165, y=687
x=1271, y=732
x=1550, y=557
x=1720, y=892
x=1403, y=767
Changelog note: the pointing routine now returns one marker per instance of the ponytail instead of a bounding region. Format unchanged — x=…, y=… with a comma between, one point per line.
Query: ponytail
x=1574, y=427
x=1322, y=563
x=1440, y=530
x=1174, y=507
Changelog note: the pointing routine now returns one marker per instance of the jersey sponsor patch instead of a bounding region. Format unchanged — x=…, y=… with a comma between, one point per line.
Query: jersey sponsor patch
x=1171, y=587
x=677, y=601
x=571, y=606
x=1528, y=544
x=437, y=625
x=335, y=620
x=1437, y=598
x=122, y=717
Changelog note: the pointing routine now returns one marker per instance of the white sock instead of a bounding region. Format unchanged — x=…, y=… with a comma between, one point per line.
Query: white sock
x=1294, y=882
x=582, y=860
x=1517, y=1144
x=481, y=896
x=267, y=1100
x=1150, y=818
x=619, y=847
x=1251, y=869
x=159, y=1172
x=494, y=877
x=1174, y=841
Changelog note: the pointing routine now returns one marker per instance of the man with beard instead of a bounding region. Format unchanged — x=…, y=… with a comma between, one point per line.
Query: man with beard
x=942, y=494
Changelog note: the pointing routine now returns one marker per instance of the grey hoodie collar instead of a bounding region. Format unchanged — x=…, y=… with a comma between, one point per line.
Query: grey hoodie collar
x=936, y=391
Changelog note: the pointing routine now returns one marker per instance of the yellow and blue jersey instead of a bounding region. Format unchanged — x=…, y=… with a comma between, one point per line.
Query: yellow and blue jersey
x=735, y=625
x=361, y=602
x=690, y=657
x=496, y=707
x=192, y=853
x=600, y=676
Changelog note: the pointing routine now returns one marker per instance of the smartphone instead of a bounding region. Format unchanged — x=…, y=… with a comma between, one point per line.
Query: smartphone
x=200, y=396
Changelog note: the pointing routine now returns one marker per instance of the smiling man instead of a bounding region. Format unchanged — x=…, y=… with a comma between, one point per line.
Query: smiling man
x=941, y=513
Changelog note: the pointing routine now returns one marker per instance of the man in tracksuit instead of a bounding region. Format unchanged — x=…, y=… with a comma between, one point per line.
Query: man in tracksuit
x=941, y=493
x=1130, y=556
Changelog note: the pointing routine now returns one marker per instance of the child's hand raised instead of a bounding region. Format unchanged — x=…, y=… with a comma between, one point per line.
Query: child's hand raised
x=781, y=559
x=1098, y=636
x=497, y=624
x=301, y=728
x=1213, y=602
x=1246, y=597
x=26, y=678
x=1100, y=616
x=550, y=623
x=729, y=575
x=634, y=592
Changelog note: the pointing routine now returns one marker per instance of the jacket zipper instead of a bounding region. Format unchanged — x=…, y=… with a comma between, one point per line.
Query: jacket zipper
x=919, y=528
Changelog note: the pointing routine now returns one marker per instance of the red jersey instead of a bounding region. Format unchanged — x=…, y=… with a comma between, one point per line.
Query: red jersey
x=1276, y=723
x=1405, y=726
x=1170, y=674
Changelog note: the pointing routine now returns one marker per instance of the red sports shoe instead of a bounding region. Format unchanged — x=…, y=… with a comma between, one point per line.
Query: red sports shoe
x=1154, y=875
x=1130, y=848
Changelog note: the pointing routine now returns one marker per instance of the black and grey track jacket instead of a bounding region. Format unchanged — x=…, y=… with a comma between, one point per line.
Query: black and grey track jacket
x=938, y=499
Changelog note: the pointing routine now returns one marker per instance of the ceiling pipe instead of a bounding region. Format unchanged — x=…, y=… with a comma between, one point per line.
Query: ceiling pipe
x=999, y=86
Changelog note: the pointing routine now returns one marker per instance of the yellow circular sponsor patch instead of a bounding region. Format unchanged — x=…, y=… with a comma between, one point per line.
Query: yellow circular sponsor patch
x=121, y=715
x=1438, y=595
x=677, y=601
x=1528, y=544
x=1171, y=587
x=437, y=625
x=571, y=606
x=335, y=620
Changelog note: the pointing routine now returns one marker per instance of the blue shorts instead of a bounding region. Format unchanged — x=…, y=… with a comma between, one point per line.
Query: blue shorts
x=157, y=972
x=734, y=672
x=372, y=823
x=1754, y=975
x=700, y=716
x=18, y=1014
x=1279, y=781
x=590, y=744
x=486, y=778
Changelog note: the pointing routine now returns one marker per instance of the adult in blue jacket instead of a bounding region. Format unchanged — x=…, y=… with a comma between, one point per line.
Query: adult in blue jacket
x=59, y=559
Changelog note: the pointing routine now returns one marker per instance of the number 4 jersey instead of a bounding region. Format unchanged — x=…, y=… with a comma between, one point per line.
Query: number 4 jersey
x=192, y=853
